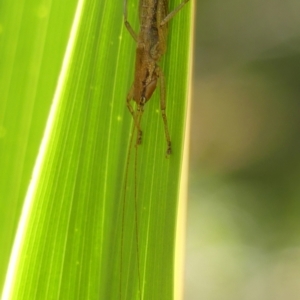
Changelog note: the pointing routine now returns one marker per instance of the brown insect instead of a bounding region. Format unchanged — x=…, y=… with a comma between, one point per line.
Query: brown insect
x=151, y=46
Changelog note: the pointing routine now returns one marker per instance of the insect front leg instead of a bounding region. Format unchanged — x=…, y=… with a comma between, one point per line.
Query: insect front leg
x=136, y=116
x=163, y=109
x=173, y=12
x=127, y=24
x=139, y=131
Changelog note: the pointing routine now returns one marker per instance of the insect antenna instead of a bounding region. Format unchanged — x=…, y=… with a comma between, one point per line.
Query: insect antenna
x=137, y=118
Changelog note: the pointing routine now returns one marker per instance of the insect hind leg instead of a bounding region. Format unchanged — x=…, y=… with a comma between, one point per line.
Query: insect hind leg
x=163, y=109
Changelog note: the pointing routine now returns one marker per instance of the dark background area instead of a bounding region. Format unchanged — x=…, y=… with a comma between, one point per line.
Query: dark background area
x=243, y=216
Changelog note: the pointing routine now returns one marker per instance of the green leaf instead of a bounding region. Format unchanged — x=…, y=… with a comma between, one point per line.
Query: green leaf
x=33, y=39
x=69, y=243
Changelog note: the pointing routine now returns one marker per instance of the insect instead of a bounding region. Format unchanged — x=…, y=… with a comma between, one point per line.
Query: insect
x=151, y=46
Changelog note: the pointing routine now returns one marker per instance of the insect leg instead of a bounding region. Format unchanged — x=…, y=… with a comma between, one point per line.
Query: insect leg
x=127, y=24
x=139, y=131
x=163, y=109
x=173, y=12
x=136, y=116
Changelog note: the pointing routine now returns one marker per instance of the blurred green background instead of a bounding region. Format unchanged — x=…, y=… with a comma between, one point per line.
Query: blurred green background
x=243, y=215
